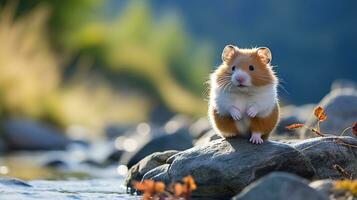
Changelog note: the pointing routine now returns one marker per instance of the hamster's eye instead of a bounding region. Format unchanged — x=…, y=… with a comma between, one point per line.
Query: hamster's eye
x=251, y=67
x=233, y=68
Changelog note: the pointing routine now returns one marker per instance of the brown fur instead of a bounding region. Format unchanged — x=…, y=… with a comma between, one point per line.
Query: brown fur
x=265, y=125
x=225, y=124
x=228, y=128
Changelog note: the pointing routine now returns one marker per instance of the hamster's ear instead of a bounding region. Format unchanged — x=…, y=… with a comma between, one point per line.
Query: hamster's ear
x=265, y=54
x=228, y=53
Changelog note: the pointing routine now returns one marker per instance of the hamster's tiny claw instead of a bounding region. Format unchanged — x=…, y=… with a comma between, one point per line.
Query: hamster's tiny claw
x=235, y=113
x=252, y=111
x=256, y=138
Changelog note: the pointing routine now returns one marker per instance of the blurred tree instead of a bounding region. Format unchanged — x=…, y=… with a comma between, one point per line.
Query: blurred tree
x=160, y=52
x=31, y=84
x=134, y=48
x=26, y=63
x=65, y=15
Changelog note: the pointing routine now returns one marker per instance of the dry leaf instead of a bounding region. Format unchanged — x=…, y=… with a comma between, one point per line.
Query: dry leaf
x=349, y=185
x=159, y=187
x=188, y=180
x=145, y=186
x=354, y=129
x=156, y=190
x=294, y=126
x=320, y=114
x=178, y=189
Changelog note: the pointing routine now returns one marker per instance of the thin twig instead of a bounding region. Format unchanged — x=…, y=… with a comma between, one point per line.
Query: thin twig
x=342, y=171
x=346, y=129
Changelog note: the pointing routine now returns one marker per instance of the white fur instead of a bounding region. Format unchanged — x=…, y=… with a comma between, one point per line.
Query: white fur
x=240, y=73
x=264, y=99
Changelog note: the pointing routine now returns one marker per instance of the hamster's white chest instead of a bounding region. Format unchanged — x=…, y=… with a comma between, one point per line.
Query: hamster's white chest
x=240, y=101
x=225, y=101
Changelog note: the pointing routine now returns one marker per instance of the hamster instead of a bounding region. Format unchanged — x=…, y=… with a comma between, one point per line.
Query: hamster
x=243, y=98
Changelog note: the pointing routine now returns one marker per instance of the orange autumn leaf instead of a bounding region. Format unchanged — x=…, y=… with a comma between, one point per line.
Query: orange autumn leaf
x=354, y=129
x=145, y=186
x=349, y=185
x=294, y=126
x=178, y=189
x=188, y=180
x=320, y=114
x=159, y=187
x=157, y=190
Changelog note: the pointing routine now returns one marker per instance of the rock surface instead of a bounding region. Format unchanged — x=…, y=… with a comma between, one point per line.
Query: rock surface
x=13, y=182
x=324, y=153
x=223, y=167
x=341, y=109
x=137, y=172
x=286, y=121
x=290, y=115
x=23, y=134
x=207, y=137
x=180, y=140
x=280, y=186
x=3, y=146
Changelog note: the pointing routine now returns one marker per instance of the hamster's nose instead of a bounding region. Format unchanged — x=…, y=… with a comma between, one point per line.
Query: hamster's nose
x=240, y=79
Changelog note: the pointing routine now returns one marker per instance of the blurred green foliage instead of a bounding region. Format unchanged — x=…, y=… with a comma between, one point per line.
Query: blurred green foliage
x=159, y=51
x=124, y=65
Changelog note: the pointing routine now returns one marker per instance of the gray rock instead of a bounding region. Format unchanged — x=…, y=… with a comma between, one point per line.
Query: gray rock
x=113, y=130
x=341, y=109
x=280, y=186
x=13, y=182
x=23, y=134
x=325, y=152
x=222, y=168
x=56, y=163
x=301, y=113
x=286, y=121
x=114, y=156
x=180, y=140
x=207, y=137
x=137, y=172
x=290, y=115
x=3, y=146
x=158, y=171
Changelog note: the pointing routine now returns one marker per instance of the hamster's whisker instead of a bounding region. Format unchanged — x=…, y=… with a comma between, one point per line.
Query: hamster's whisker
x=227, y=86
x=223, y=84
x=283, y=88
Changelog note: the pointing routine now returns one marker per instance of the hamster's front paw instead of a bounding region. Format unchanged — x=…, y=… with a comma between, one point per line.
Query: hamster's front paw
x=235, y=113
x=252, y=111
x=256, y=138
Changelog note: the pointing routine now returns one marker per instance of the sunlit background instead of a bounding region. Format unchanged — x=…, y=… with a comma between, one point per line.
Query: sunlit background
x=86, y=66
